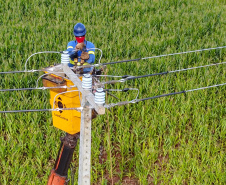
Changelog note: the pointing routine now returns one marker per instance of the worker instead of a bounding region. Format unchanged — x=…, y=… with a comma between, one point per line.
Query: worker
x=81, y=52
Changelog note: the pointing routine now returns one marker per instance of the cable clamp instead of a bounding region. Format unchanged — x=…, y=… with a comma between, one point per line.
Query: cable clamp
x=108, y=106
x=96, y=65
x=133, y=101
x=122, y=80
x=80, y=109
x=32, y=70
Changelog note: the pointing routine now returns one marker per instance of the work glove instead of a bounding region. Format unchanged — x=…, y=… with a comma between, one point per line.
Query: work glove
x=85, y=55
x=73, y=54
x=80, y=46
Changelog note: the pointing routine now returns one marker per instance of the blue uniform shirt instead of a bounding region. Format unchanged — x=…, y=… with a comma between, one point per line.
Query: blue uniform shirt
x=89, y=47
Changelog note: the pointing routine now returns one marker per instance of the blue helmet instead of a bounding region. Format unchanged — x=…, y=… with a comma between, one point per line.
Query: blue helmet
x=79, y=30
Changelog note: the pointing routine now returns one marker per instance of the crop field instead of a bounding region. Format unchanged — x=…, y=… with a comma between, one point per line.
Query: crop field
x=178, y=139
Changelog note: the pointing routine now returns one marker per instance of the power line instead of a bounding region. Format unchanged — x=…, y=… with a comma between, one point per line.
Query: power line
x=39, y=53
x=36, y=88
x=127, y=77
x=40, y=110
x=138, y=59
x=159, y=96
x=122, y=90
x=29, y=71
x=108, y=76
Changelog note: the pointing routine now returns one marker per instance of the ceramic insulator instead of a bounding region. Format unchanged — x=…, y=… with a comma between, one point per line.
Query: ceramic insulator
x=100, y=96
x=65, y=57
x=87, y=81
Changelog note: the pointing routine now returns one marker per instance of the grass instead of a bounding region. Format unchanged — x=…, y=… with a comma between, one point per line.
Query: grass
x=172, y=140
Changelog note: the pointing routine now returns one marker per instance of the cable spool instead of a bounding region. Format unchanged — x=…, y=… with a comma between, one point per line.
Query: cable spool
x=65, y=57
x=87, y=81
x=100, y=96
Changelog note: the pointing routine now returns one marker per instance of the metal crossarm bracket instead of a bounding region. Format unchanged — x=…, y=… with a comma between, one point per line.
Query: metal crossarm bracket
x=89, y=96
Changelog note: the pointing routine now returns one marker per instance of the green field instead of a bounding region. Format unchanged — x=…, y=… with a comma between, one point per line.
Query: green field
x=179, y=139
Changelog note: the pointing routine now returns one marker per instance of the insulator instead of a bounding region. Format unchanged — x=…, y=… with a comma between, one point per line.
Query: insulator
x=100, y=96
x=65, y=57
x=87, y=81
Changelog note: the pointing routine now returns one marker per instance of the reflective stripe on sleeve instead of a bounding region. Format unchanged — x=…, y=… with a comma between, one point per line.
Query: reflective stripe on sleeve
x=72, y=62
x=91, y=52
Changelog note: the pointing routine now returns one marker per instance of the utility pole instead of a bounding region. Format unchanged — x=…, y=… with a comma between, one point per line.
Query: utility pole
x=85, y=145
x=58, y=175
x=85, y=129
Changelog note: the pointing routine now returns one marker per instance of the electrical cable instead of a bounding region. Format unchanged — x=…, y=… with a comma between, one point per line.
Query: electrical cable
x=108, y=76
x=29, y=71
x=40, y=110
x=123, y=61
x=159, y=96
x=124, y=90
x=39, y=53
x=101, y=53
x=37, y=88
x=127, y=77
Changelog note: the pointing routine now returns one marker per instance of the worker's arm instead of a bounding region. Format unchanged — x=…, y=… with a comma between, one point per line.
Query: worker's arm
x=71, y=46
x=72, y=52
x=91, y=59
x=91, y=56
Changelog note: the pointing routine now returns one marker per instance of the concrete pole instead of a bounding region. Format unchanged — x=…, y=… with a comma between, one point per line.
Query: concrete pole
x=85, y=144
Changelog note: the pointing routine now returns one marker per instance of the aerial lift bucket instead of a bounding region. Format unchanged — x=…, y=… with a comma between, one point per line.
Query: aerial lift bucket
x=66, y=120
